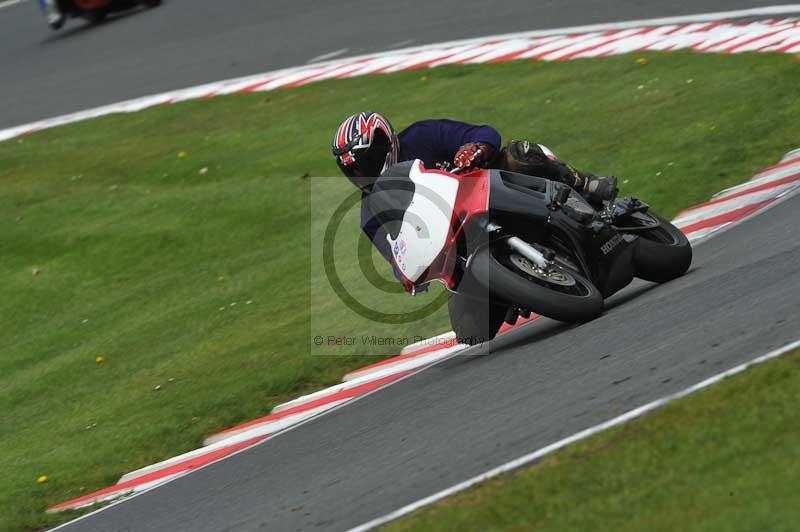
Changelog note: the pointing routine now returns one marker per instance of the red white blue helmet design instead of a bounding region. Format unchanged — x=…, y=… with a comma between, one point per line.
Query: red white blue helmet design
x=365, y=145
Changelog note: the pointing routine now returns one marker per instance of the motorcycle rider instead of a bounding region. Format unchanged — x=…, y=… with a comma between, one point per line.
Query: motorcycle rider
x=365, y=145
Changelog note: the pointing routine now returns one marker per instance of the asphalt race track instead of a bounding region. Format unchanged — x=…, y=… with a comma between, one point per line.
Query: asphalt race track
x=540, y=383
x=535, y=385
x=188, y=42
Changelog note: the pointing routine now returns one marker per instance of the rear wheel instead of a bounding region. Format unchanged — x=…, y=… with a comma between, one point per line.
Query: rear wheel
x=96, y=16
x=558, y=292
x=663, y=253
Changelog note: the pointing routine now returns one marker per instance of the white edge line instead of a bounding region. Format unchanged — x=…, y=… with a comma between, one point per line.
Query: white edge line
x=9, y=3
x=531, y=457
x=329, y=55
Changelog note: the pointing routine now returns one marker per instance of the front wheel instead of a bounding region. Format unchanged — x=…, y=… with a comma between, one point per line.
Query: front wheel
x=559, y=293
x=663, y=253
x=474, y=320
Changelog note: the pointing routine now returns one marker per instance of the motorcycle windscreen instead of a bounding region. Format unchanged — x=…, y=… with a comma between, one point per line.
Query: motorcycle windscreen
x=391, y=195
x=426, y=223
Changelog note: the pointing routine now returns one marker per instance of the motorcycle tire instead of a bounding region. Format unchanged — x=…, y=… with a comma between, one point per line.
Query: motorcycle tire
x=576, y=303
x=663, y=252
x=474, y=320
x=96, y=16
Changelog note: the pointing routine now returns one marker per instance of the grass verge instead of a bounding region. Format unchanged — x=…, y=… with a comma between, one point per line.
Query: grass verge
x=725, y=458
x=158, y=274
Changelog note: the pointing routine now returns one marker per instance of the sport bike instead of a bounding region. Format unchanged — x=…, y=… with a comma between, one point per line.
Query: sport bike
x=508, y=244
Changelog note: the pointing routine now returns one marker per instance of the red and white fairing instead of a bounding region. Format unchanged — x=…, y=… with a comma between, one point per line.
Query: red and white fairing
x=424, y=249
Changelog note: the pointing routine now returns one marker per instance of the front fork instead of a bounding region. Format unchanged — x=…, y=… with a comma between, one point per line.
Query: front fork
x=541, y=260
x=523, y=248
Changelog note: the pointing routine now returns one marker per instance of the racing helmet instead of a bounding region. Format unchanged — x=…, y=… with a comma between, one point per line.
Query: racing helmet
x=365, y=145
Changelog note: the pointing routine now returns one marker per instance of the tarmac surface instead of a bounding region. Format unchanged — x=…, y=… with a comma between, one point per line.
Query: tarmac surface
x=184, y=43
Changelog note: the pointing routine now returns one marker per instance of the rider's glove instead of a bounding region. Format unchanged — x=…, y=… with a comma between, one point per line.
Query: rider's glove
x=598, y=189
x=470, y=155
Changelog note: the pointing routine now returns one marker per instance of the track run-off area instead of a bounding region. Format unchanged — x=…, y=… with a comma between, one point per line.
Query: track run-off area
x=233, y=492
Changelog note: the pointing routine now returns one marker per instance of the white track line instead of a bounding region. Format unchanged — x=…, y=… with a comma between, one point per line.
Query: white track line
x=329, y=55
x=531, y=457
x=9, y=3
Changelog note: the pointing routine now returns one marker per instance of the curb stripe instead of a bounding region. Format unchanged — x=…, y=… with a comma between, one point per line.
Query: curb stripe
x=760, y=188
x=406, y=364
x=450, y=342
x=729, y=216
x=428, y=342
x=727, y=204
x=346, y=393
x=180, y=467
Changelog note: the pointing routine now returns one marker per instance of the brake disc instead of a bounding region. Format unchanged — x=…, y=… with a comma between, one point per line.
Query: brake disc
x=552, y=275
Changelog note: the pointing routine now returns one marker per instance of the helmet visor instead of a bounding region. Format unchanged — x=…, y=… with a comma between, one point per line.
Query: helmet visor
x=363, y=165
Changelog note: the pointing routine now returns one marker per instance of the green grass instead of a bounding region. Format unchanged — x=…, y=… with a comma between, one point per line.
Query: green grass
x=725, y=458
x=136, y=252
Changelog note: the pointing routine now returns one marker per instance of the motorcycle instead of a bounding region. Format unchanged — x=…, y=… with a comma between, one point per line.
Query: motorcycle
x=95, y=11
x=507, y=244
